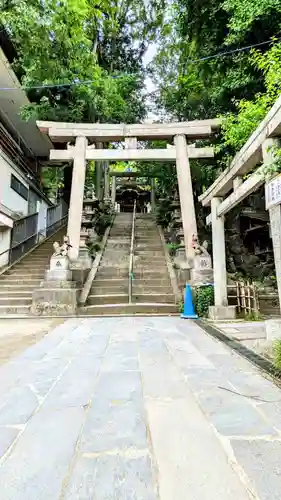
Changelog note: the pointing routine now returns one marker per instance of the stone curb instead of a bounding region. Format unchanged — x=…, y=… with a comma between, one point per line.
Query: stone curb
x=256, y=359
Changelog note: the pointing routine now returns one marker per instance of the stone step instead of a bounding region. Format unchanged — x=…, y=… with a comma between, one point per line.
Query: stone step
x=140, y=247
x=129, y=309
x=148, y=263
x=110, y=281
x=31, y=258
x=149, y=254
x=32, y=268
x=162, y=281
x=25, y=273
x=112, y=272
x=15, y=301
x=17, y=288
x=167, y=298
x=139, y=289
x=147, y=275
x=23, y=310
x=139, y=269
x=114, y=298
x=11, y=280
x=110, y=290
x=24, y=293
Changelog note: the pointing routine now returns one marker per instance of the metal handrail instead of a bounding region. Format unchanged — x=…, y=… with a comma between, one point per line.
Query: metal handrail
x=131, y=262
x=35, y=236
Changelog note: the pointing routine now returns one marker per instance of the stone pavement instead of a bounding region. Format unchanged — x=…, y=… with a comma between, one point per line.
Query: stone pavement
x=137, y=409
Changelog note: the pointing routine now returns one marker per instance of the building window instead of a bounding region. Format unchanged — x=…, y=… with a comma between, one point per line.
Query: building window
x=19, y=187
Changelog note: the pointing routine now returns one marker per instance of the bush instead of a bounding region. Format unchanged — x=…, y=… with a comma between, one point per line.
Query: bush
x=172, y=247
x=164, y=213
x=277, y=354
x=203, y=298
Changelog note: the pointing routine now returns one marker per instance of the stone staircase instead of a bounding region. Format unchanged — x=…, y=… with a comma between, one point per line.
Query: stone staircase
x=151, y=290
x=18, y=282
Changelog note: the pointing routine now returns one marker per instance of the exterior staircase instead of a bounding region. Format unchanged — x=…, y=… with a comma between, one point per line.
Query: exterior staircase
x=151, y=287
x=18, y=282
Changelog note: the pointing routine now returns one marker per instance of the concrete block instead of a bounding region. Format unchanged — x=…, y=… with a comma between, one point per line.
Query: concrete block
x=80, y=276
x=119, y=385
x=261, y=462
x=58, y=275
x=39, y=462
x=191, y=461
x=273, y=329
x=121, y=356
x=217, y=313
x=113, y=425
x=59, y=262
x=17, y=406
x=58, y=284
x=7, y=437
x=112, y=477
x=201, y=276
x=76, y=385
x=232, y=415
x=54, y=301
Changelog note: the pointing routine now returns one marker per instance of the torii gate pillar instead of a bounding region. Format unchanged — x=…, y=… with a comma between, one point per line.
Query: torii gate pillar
x=186, y=195
x=76, y=196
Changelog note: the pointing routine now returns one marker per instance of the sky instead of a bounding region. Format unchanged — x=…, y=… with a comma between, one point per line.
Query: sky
x=150, y=87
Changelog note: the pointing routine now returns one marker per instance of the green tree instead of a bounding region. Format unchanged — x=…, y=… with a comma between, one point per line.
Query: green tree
x=73, y=41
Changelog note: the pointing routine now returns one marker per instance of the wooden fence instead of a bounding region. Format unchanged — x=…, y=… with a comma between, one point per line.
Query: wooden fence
x=246, y=296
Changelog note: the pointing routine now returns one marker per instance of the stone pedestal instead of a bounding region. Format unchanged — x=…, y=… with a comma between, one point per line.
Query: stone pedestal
x=222, y=313
x=59, y=269
x=202, y=272
x=182, y=266
x=80, y=267
x=273, y=329
x=58, y=294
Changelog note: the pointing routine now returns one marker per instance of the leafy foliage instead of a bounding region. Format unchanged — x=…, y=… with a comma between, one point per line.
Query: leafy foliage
x=240, y=86
x=74, y=41
x=277, y=354
x=204, y=298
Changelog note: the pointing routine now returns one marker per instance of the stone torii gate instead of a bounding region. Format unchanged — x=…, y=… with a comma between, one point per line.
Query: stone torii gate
x=88, y=139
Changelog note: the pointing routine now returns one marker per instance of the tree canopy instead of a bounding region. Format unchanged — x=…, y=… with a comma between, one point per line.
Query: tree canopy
x=201, y=72
x=73, y=41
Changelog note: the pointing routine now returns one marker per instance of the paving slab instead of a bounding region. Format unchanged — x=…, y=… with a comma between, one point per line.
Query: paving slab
x=261, y=462
x=185, y=471
x=38, y=463
x=112, y=477
x=137, y=409
x=114, y=425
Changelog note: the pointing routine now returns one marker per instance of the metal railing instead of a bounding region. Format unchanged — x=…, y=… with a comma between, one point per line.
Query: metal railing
x=55, y=215
x=25, y=235
x=131, y=261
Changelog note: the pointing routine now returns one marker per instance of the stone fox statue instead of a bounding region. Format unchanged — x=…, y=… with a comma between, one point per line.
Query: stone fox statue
x=62, y=250
x=200, y=249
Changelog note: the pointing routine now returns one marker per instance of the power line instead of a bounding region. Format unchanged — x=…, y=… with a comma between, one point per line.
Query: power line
x=89, y=82
x=58, y=85
x=233, y=51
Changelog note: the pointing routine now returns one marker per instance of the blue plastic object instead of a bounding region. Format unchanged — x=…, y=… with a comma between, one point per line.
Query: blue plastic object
x=188, y=309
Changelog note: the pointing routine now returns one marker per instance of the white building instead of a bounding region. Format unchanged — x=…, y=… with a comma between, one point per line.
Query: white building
x=21, y=144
